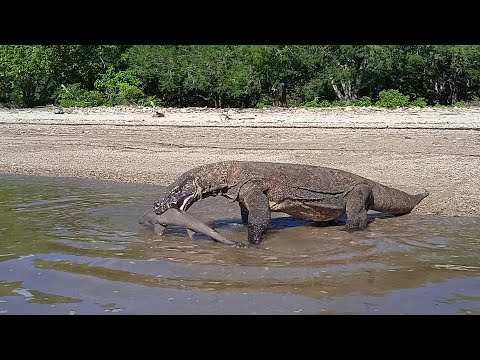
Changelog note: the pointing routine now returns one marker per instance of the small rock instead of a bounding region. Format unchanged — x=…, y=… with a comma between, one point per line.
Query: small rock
x=158, y=114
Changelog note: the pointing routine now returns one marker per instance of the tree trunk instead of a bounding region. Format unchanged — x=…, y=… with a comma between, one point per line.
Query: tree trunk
x=28, y=91
x=439, y=87
x=347, y=92
x=454, y=88
x=337, y=91
x=453, y=93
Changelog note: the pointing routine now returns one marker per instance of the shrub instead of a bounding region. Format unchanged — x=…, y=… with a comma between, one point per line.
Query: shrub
x=128, y=94
x=363, y=101
x=262, y=105
x=313, y=103
x=110, y=80
x=325, y=104
x=120, y=87
x=316, y=104
x=340, y=103
x=419, y=102
x=392, y=99
x=460, y=104
x=151, y=100
x=74, y=95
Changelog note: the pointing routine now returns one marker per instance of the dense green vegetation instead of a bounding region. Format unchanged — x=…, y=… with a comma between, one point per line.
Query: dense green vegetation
x=238, y=75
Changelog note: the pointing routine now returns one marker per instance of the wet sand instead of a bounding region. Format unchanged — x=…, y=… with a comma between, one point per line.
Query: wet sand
x=412, y=150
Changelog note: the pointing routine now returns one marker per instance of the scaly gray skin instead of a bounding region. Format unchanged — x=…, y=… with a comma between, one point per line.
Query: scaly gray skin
x=173, y=216
x=308, y=192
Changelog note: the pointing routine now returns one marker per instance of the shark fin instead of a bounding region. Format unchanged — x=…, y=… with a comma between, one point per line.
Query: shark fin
x=190, y=233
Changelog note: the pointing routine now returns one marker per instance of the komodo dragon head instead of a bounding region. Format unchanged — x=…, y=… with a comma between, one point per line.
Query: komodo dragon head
x=195, y=184
x=181, y=194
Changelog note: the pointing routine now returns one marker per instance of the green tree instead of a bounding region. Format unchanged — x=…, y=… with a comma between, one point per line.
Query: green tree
x=235, y=75
x=206, y=72
x=453, y=73
x=351, y=69
x=32, y=75
x=161, y=70
x=84, y=64
x=26, y=75
x=120, y=87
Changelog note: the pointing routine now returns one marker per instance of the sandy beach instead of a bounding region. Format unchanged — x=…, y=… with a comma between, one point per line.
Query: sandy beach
x=410, y=149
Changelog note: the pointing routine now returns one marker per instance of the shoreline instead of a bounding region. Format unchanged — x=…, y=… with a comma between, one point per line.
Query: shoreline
x=341, y=117
x=409, y=149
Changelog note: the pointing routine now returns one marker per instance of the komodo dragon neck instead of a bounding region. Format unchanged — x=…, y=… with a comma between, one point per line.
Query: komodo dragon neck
x=223, y=178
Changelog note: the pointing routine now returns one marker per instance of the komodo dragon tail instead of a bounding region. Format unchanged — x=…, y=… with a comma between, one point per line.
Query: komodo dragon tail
x=394, y=201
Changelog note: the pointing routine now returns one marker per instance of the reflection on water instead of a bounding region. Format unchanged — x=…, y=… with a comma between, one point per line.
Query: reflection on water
x=70, y=246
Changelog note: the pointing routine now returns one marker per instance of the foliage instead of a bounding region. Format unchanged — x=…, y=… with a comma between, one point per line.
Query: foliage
x=110, y=80
x=340, y=103
x=317, y=103
x=151, y=101
x=363, y=101
x=392, y=99
x=128, y=95
x=120, y=87
x=75, y=95
x=419, y=102
x=25, y=75
x=262, y=105
x=239, y=75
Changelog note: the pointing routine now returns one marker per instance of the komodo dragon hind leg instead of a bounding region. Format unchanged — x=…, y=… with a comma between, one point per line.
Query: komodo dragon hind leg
x=259, y=217
x=358, y=201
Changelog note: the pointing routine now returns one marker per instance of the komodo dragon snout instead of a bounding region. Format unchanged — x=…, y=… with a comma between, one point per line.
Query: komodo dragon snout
x=180, y=195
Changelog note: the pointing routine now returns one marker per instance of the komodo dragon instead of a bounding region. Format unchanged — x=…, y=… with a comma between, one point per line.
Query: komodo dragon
x=308, y=192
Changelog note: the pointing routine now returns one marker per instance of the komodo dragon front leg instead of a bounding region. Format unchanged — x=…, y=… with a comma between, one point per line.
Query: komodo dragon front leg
x=358, y=201
x=244, y=213
x=255, y=212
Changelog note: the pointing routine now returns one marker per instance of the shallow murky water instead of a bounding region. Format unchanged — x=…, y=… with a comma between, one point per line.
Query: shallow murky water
x=72, y=246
